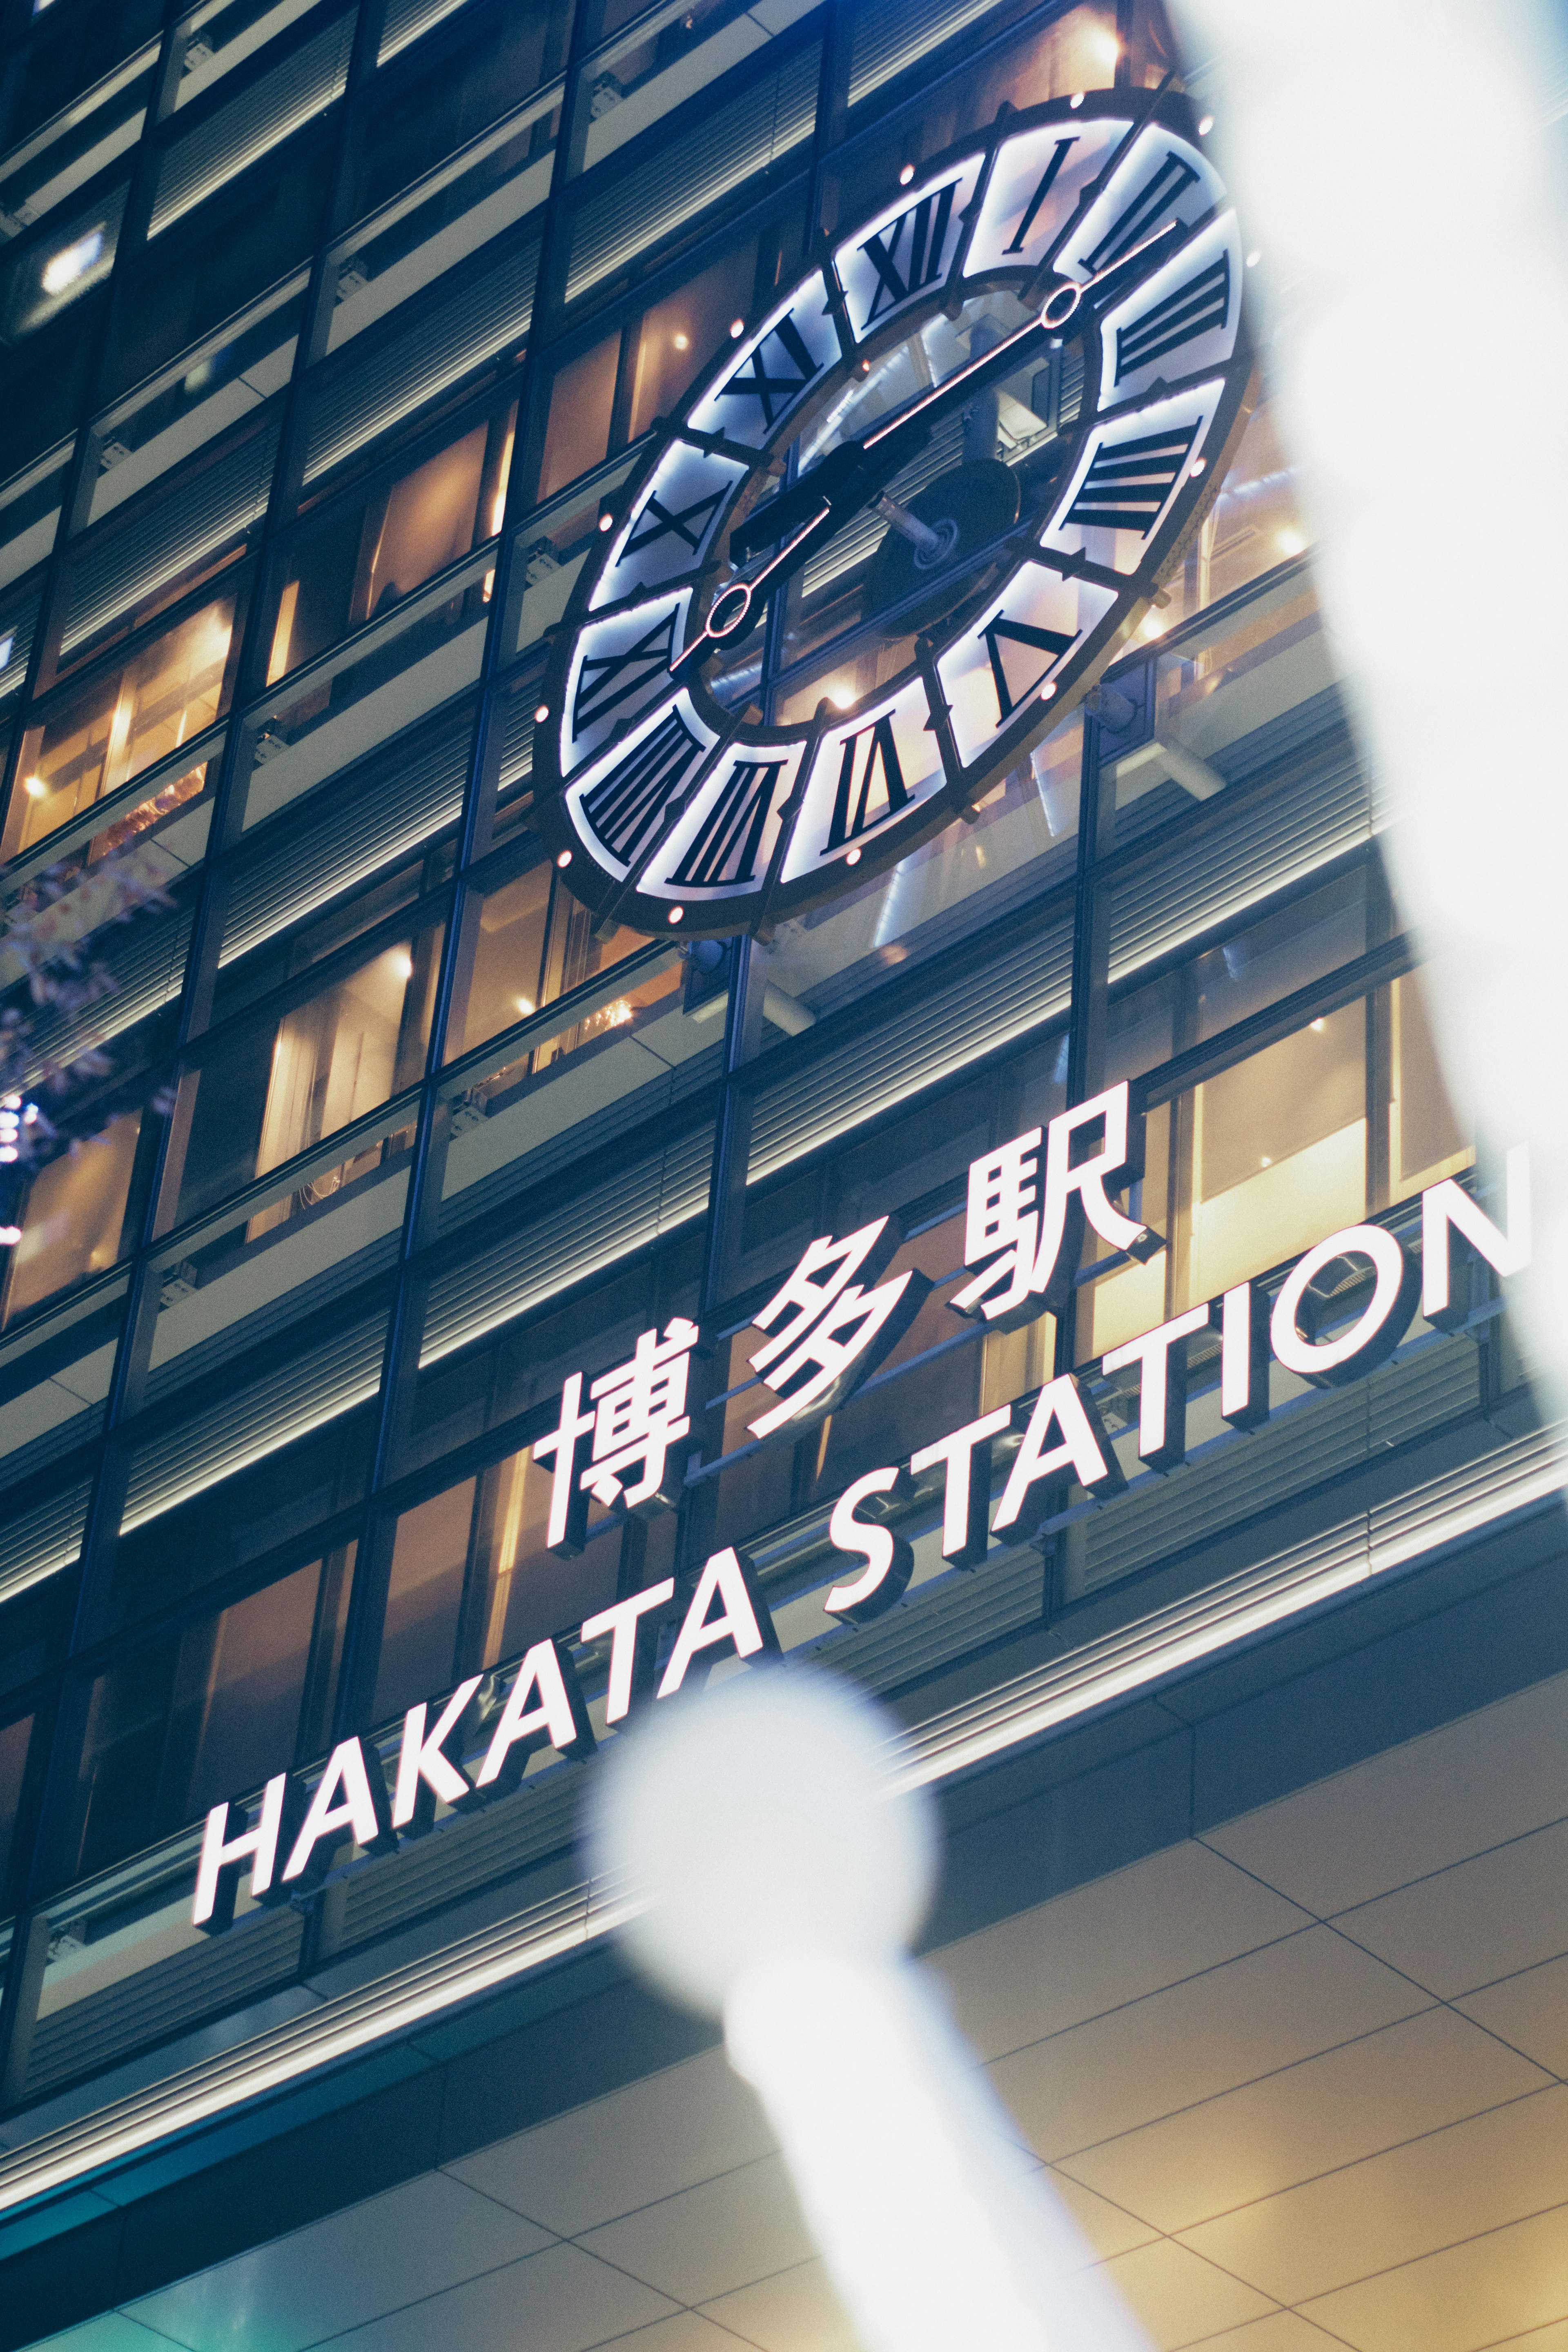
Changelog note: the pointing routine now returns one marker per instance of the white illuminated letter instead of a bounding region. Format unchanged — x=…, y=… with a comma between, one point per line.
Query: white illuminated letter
x=626, y=1623
x=966, y=1493
x=1446, y=1209
x=229, y=1845
x=1376, y=1330
x=744, y=1621
x=1243, y=1357
x=566, y=1531
x=557, y=1718
x=1163, y=1386
x=890, y=1561
x=1087, y=1181
x=360, y=1811
x=1082, y=1447
x=425, y=1773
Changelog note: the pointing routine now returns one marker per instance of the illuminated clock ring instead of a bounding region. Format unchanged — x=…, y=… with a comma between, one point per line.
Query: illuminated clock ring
x=1100, y=217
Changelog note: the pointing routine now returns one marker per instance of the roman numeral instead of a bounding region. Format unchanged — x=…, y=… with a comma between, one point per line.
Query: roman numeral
x=1047, y=181
x=1129, y=481
x=726, y=848
x=606, y=680
x=625, y=807
x=1203, y=302
x=774, y=376
x=1054, y=642
x=904, y=264
x=657, y=521
x=881, y=758
x=1148, y=207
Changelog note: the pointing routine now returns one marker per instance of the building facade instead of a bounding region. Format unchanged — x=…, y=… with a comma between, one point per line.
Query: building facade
x=378, y=1325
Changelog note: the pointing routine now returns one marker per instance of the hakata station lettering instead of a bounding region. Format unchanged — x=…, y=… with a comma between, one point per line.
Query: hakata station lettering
x=618, y=1442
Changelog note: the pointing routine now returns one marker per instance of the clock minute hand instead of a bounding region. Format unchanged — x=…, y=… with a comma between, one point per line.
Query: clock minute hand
x=855, y=473
x=954, y=391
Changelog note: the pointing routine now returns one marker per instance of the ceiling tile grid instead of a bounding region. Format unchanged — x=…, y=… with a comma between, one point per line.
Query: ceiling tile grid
x=1301, y=2086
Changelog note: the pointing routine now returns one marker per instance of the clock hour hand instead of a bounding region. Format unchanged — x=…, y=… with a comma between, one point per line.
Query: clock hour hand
x=805, y=516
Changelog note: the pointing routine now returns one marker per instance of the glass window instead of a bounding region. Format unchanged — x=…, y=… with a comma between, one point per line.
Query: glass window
x=99, y=735
x=678, y=336
x=75, y=1217
x=222, y=34
x=273, y=1089
x=29, y=516
x=163, y=422
x=578, y=433
x=15, y=1740
x=375, y=552
x=239, y=1519
x=523, y=1364
x=81, y=141
x=71, y=57
x=223, y=253
x=1022, y=841
x=51, y=275
x=438, y=103
x=1346, y=1116
x=551, y=548
x=205, y=1714
x=472, y=1582
x=1254, y=968
x=666, y=54
x=1178, y=730
x=1254, y=524
x=535, y=943
x=1078, y=52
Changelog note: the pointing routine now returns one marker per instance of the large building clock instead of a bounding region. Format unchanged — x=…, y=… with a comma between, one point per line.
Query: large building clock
x=901, y=524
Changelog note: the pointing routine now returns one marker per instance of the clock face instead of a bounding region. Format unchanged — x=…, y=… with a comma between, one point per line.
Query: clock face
x=901, y=524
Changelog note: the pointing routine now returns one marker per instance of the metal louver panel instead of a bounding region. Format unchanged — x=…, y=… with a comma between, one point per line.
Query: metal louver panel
x=212, y=507
x=1321, y=1440
x=1268, y=840
x=694, y=171
x=148, y=970
x=316, y=1385
x=278, y=103
x=17, y=634
x=605, y=1222
x=380, y=384
x=880, y=1065
x=405, y=21
x=84, y=2036
x=356, y=838
x=894, y=34
x=517, y=741
x=34, y=1544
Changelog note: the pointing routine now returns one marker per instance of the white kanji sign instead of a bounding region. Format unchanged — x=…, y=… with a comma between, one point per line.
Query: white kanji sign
x=1017, y=1219
x=638, y=1415
x=833, y=1329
